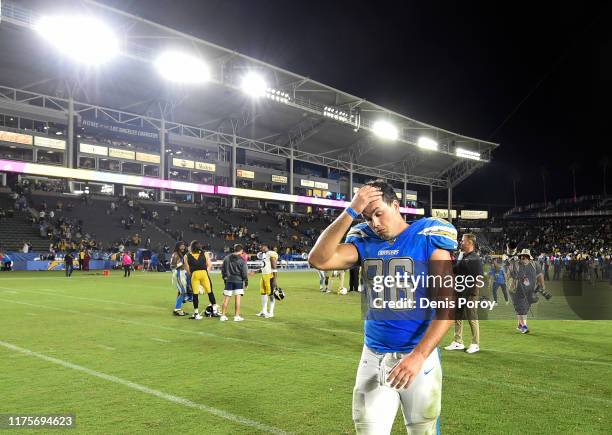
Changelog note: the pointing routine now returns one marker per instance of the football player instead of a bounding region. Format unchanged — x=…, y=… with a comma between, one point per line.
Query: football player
x=197, y=264
x=179, y=277
x=399, y=364
x=268, y=280
x=323, y=281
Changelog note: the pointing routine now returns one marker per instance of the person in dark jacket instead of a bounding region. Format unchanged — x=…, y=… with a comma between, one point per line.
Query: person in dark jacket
x=235, y=275
x=469, y=265
x=68, y=266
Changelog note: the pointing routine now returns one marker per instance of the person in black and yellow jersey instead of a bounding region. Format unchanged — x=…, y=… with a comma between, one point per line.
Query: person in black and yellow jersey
x=197, y=263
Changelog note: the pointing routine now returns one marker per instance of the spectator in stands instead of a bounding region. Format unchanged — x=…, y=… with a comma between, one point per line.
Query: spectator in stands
x=26, y=247
x=557, y=267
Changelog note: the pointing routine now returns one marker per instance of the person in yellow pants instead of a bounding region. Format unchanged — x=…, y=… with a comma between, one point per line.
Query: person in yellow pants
x=197, y=263
x=268, y=280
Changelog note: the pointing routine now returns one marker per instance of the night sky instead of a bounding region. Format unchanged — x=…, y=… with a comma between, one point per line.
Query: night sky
x=536, y=79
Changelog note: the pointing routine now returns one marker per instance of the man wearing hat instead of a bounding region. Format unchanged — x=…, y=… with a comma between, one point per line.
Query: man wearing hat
x=527, y=275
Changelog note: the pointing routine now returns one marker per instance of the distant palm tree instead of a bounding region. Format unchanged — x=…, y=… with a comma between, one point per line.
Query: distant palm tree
x=516, y=177
x=544, y=174
x=605, y=162
x=573, y=167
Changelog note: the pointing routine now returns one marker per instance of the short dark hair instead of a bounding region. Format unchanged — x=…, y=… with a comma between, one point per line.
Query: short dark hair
x=471, y=237
x=195, y=246
x=238, y=247
x=386, y=189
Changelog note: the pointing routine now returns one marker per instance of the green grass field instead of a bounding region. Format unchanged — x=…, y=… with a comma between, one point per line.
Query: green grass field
x=108, y=350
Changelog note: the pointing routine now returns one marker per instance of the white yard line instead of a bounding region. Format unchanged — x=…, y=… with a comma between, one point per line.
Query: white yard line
x=144, y=389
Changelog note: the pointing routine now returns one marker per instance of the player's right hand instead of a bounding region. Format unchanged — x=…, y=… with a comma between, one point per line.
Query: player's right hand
x=364, y=196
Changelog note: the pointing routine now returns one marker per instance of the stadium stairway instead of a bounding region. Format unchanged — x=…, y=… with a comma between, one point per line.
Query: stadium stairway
x=17, y=229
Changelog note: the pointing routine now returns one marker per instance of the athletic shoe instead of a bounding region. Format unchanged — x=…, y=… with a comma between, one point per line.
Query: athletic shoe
x=455, y=346
x=262, y=314
x=269, y=315
x=223, y=318
x=196, y=317
x=525, y=330
x=507, y=302
x=180, y=313
x=473, y=348
x=238, y=319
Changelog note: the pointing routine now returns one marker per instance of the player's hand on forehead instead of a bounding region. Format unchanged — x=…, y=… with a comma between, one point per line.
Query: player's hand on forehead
x=364, y=196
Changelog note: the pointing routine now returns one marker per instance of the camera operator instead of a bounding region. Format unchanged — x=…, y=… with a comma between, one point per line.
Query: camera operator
x=528, y=281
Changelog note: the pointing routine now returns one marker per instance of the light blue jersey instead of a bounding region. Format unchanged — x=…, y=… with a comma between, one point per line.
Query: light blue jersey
x=398, y=329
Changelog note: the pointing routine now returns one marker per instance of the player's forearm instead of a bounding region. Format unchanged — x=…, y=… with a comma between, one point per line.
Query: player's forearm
x=329, y=239
x=435, y=332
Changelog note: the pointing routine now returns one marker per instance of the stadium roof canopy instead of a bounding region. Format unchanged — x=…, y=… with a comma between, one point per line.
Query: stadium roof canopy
x=315, y=122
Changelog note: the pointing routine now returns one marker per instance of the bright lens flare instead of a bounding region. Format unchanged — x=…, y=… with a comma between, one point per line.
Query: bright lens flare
x=254, y=84
x=182, y=68
x=82, y=38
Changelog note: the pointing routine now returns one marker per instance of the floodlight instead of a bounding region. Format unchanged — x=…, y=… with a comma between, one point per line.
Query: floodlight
x=386, y=130
x=182, y=67
x=467, y=154
x=277, y=95
x=254, y=84
x=83, y=38
x=427, y=143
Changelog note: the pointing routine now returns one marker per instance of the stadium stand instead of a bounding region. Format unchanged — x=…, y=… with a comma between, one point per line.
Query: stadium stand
x=16, y=227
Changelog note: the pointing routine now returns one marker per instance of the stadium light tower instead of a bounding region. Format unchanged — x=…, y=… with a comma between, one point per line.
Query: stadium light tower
x=182, y=67
x=82, y=38
x=385, y=130
x=254, y=84
x=427, y=143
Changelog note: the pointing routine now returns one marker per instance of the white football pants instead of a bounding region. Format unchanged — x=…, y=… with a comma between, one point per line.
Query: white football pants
x=375, y=403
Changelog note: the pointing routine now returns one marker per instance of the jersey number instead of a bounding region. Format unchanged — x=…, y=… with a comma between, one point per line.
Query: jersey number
x=375, y=270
